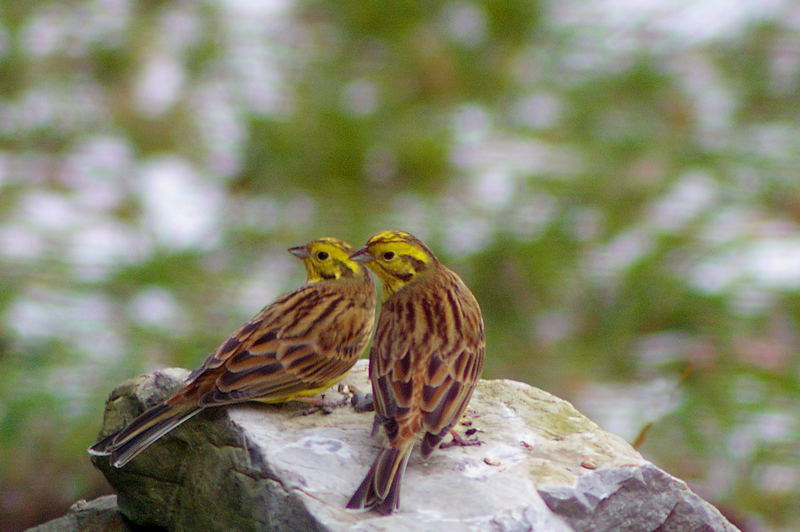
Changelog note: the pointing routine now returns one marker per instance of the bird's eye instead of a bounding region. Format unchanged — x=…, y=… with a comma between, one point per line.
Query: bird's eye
x=322, y=255
x=389, y=255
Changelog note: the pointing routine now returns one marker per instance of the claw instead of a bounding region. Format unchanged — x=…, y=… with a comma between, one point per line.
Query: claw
x=458, y=441
x=319, y=404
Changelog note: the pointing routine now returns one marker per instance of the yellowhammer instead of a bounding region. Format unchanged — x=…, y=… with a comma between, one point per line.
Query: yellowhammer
x=426, y=358
x=298, y=346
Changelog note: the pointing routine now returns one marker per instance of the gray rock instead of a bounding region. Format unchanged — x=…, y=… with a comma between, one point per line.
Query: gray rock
x=542, y=466
x=98, y=515
x=630, y=499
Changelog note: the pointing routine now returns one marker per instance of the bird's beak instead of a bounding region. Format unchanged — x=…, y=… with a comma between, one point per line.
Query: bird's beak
x=362, y=255
x=299, y=251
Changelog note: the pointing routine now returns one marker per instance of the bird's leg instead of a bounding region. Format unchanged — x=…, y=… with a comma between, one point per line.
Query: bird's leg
x=458, y=441
x=319, y=404
x=360, y=401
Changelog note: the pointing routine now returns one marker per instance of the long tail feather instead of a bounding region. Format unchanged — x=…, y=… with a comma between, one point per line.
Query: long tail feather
x=380, y=489
x=431, y=441
x=143, y=431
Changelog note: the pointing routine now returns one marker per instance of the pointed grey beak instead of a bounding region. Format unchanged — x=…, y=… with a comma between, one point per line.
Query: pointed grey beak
x=361, y=256
x=299, y=251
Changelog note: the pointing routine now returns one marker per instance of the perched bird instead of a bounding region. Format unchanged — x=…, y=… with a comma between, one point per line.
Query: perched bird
x=425, y=362
x=295, y=348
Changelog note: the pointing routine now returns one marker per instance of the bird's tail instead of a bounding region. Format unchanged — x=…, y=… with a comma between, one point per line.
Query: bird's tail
x=122, y=446
x=380, y=489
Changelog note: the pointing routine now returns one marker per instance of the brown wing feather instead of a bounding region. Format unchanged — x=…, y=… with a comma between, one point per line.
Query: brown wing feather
x=299, y=343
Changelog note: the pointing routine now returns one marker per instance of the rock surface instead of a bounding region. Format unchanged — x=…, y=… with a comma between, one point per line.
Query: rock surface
x=542, y=466
x=98, y=515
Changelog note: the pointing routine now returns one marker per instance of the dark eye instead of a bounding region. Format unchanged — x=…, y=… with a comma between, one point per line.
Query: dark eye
x=389, y=255
x=322, y=255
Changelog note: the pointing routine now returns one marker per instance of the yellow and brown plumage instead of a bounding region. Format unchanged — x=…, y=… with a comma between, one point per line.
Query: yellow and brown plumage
x=297, y=347
x=425, y=362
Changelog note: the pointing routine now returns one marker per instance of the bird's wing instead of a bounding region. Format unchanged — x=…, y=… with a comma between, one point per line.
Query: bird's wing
x=301, y=342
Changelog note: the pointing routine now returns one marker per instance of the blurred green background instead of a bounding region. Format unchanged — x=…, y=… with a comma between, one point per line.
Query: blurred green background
x=616, y=180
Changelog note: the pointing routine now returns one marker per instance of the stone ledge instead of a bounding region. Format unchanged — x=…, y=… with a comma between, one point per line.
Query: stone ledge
x=543, y=466
x=98, y=515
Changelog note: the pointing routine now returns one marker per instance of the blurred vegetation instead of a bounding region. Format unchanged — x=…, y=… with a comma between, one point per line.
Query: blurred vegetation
x=617, y=183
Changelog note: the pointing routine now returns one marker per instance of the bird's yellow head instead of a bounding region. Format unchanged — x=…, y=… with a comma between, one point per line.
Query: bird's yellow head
x=328, y=258
x=397, y=258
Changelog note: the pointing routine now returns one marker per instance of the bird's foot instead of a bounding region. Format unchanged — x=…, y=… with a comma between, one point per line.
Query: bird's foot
x=319, y=404
x=458, y=441
x=362, y=402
